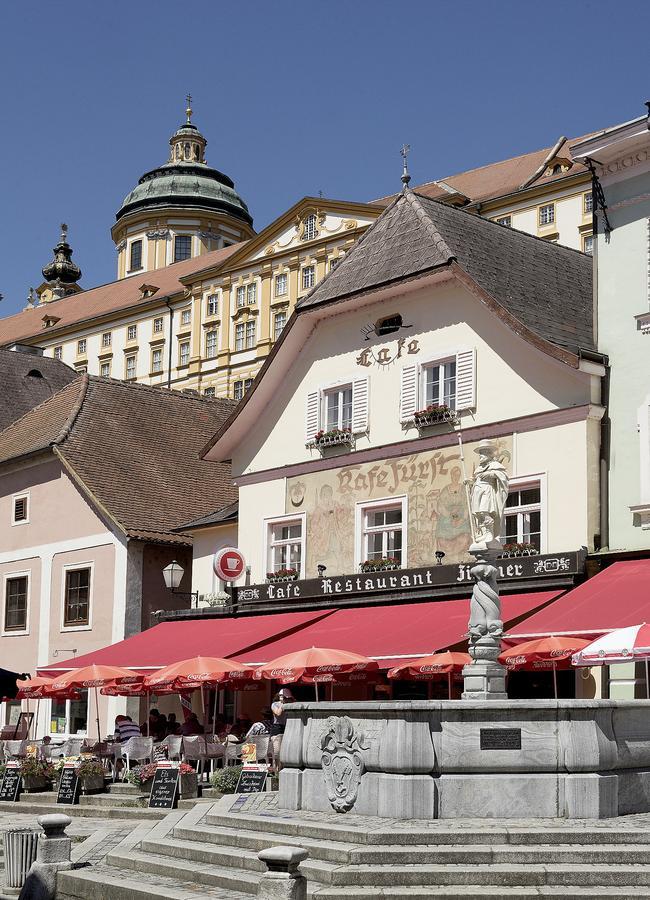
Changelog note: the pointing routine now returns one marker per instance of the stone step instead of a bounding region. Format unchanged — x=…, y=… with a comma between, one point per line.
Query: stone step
x=331, y=851
x=124, y=787
x=107, y=883
x=478, y=892
x=41, y=808
x=199, y=873
x=114, y=800
x=439, y=833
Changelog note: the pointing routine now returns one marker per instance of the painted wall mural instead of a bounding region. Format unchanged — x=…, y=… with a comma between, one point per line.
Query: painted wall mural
x=438, y=517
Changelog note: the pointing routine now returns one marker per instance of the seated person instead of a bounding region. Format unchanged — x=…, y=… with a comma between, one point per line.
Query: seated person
x=155, y=727
x=191, y=726
x=261, y=727
x=173, y=727
x=125, y=728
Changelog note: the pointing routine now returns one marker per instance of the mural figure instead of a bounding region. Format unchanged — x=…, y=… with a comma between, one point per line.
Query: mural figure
x=452, y=525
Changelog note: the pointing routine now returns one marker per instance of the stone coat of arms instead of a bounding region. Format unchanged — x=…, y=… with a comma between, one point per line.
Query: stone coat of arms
x=342, y=761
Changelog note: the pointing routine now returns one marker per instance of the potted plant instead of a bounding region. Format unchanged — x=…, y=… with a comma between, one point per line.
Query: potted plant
x=225, y=780
x=518, y=549
x=189, y=785
x=142, y=777
x=282, y=575
x=332, y=438
x=91, y=776
x=380, y=565
x=434, y=414
x=37, y=774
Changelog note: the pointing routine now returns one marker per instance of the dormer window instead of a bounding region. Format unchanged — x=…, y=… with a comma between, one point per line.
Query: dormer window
x=49, y=321
x=309, y=228
x=147, y=290
x=388, y=325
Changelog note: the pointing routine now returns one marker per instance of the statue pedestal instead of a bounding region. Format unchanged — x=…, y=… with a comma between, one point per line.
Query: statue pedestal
x=484, y=680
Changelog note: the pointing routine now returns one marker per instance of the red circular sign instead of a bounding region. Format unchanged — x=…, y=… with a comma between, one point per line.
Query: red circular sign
x=229, y=564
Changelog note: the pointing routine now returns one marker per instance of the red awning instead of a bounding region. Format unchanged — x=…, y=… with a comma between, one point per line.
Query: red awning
x=391, y=634
x=616, y=597
x=171, y=642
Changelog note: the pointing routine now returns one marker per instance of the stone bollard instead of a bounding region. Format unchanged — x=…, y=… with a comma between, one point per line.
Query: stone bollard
x=283, y=880
x=52, y=856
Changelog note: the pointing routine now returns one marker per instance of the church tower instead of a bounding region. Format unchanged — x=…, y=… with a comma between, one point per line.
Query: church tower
x=180, y=210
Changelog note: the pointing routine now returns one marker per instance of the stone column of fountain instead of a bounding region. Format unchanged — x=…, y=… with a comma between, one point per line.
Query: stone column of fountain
x=484, y=677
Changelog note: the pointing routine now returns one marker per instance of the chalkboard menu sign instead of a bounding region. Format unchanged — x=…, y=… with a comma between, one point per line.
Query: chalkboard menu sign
x=252, y=780
x=69, y=786
x=11, y=783
x=164, y=790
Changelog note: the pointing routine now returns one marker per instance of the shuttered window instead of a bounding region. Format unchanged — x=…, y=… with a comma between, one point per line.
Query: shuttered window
x=451, y=381
x=20, y=509
x=342, y=406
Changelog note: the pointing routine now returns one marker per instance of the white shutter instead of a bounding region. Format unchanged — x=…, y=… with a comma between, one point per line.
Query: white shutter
x=360, y=405
x=311, y=418
x=408, y=393
x=466, y=379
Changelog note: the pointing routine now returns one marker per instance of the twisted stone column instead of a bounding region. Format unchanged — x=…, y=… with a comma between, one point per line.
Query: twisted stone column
x=484, y=677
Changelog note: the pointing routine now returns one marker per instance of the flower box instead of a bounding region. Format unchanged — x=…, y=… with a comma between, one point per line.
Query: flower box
x=435, y=415
x=189, y=786
x=34, y=784
x=281, y=575
x=334, y=438
x=380, y=565
x=514, y=550
x=92, y=784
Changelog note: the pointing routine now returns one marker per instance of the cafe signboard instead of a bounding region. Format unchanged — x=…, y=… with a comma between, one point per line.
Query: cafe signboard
x=510, y=569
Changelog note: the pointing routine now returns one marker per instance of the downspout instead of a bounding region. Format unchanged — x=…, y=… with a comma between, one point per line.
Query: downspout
x=171, y=335
x=605, y=442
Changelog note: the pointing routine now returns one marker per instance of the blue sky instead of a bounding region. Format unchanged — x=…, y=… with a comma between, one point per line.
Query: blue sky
x=294, y=98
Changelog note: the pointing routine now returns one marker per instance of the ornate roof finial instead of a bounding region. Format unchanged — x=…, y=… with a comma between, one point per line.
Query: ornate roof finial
x=404, y=152
x=62, y=266
x=32, y=299
x=188, y=111
x=64, y=232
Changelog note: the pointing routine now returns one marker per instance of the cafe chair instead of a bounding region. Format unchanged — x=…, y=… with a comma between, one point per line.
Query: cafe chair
x=139, y=749
x=15, y=749
x=262, y=743
x=71, y=747
x=202, y=749
x=174, y=746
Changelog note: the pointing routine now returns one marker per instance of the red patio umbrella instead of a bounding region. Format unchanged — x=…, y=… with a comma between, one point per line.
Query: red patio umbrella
x=552, y=652
x=94, y=677
x=426, y=668
x=312, y=663
x=39, y=688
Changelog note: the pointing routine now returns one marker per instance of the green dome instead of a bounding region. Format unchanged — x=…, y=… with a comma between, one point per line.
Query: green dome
x=183, y=185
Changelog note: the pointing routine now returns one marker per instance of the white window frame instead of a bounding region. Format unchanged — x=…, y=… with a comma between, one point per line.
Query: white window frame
x=8, y=576
x=58, y=352
x=506, y=221
x=181, y=346
x=142, y=265
x=240, y=328
x=82, y=342
x=66, y=734
x=284, y=292
x=132, y=327
x=240, y=296
x=250, y=331
x=585, y=238
x=283, y=520
x=134, y=357
x=158, y=325
x=310, y=227
x=157, y=367
x=212, y=300
x=89, y=564
x=107, y=339
x=360, y=508
x=21, y=495
x=208, y=334
x=587, y=210
x=312, y=278
x=210, y=391
x=328, y=391
x=438, y=362
x=551, y=221
x=186, y=316
x=236, y=388
x=102, y=366
x=277, y=332
x=523, y=481
x=251, y=294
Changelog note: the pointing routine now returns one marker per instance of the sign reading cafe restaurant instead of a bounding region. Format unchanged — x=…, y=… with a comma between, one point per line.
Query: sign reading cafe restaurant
x=510, y=569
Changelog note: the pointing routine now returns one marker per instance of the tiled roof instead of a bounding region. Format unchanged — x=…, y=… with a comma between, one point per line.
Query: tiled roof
x=546, y=287
x=108, y=298
x=135, y=449
x=500, y=178
x=28, y=380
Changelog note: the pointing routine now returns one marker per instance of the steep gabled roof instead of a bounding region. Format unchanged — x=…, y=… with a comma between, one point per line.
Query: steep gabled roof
x=108, y=298
x=28, y=380
x=133, y=449
x=546, y=287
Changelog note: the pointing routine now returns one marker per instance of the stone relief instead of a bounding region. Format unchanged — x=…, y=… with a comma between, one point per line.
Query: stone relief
x=342, y=761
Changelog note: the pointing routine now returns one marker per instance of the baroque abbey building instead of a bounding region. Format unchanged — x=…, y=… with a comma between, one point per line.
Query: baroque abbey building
x=200, y=297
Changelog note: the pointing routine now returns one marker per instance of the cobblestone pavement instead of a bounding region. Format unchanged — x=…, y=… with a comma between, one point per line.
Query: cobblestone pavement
x=267, y=804
x=182, y=891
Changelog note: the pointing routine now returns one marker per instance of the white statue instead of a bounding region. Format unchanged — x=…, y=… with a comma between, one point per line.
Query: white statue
x=488, y=495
